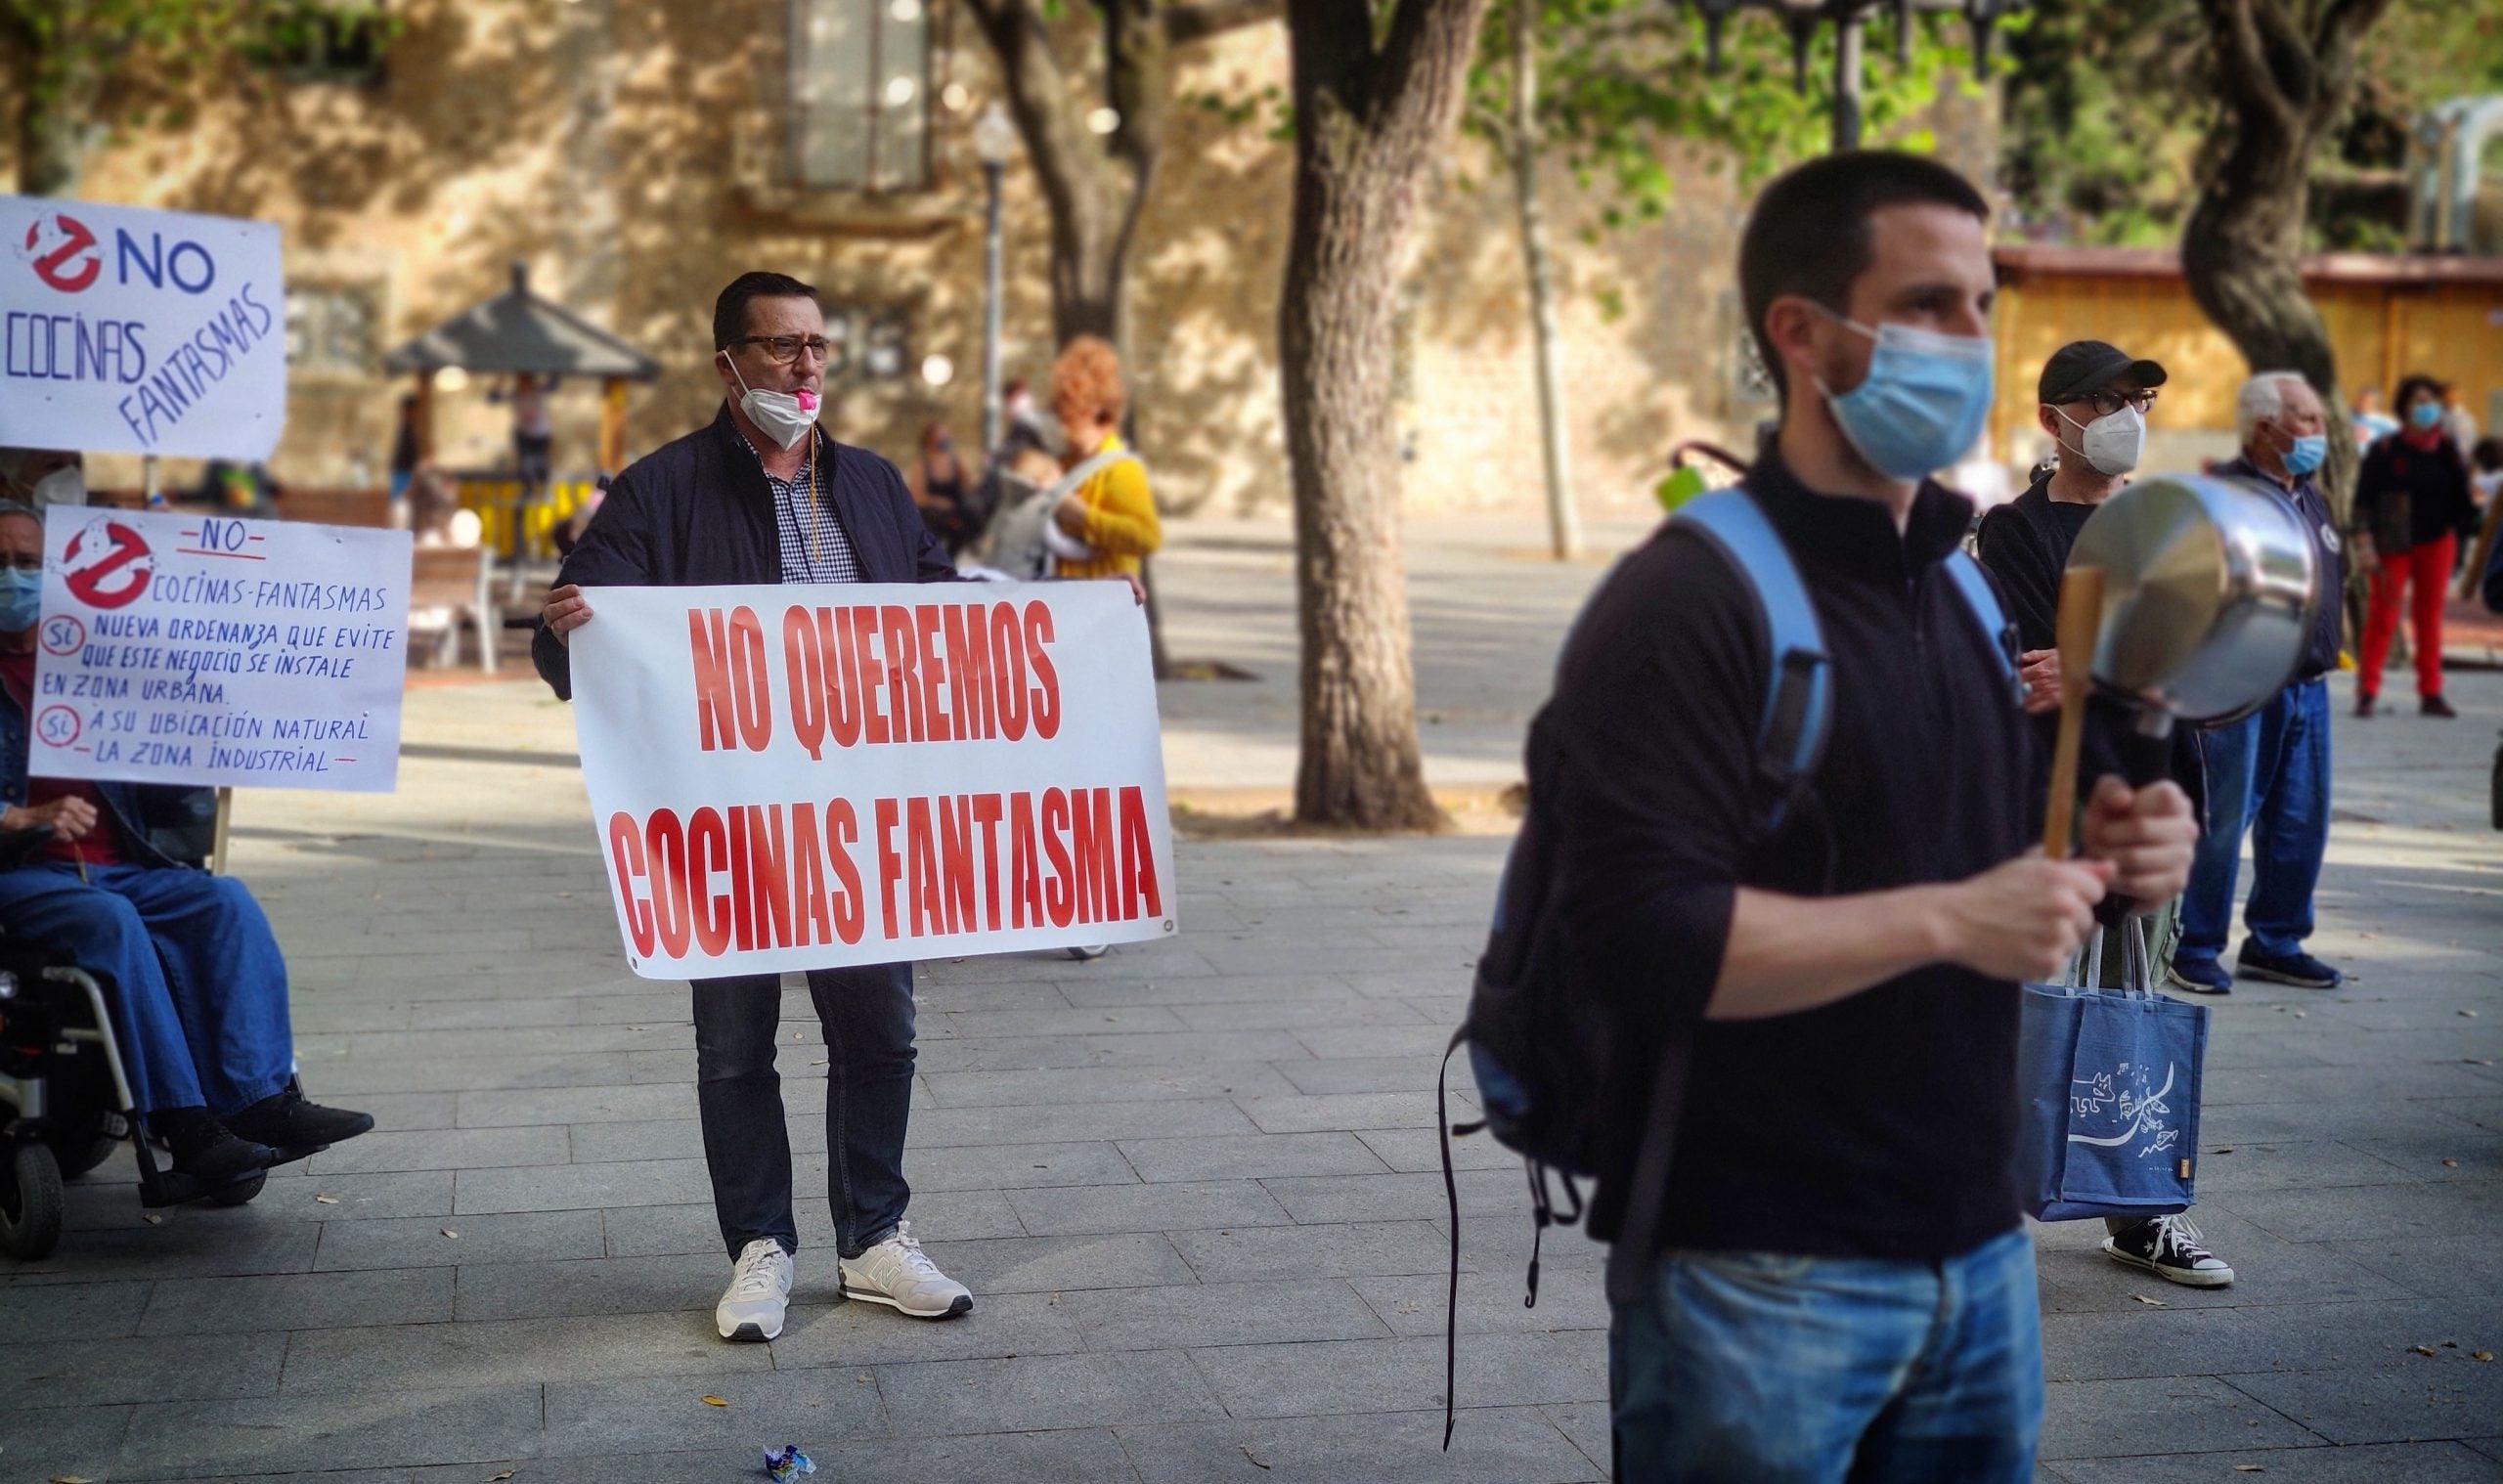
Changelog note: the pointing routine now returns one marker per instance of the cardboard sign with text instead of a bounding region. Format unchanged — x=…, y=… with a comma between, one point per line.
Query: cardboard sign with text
x=137, y=330
x=206, y=651
x=804, y=777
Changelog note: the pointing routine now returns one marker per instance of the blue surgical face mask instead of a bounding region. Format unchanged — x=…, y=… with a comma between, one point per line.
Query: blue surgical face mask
x=2426, y=414
x=2306, y=453
x=1922, y=403
x=20, y=599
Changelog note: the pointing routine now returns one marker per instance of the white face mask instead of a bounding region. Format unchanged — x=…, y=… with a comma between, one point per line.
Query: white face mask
x=63, y=486
x=2111, y=443
x=783, y=417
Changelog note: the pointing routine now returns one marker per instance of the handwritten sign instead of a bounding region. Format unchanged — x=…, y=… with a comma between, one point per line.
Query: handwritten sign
x=179, y=648
x=141, y=332
x=806, y=777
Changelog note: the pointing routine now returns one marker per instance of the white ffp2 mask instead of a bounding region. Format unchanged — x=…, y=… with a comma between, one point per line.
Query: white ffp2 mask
x=2113, y=442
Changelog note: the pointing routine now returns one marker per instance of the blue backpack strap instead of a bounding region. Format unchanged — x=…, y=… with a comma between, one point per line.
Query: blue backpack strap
x=1798, y=711
x=1983, y=599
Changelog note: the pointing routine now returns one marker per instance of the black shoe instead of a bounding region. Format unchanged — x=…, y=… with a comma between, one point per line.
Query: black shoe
x=2363, y=703
x=2435, y=706
x=2170, y=1247
x=285, y=1121
x=208, y=1150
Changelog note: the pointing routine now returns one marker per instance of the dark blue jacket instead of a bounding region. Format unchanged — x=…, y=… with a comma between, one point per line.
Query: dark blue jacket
x=155, y=824
x=2494, y=578
x=698, y=513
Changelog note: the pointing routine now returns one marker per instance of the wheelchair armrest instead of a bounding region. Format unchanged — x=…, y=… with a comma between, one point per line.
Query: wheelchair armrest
x=17, y=846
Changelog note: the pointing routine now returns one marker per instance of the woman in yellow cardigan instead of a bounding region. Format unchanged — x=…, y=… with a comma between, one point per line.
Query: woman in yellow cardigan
x=1109, y=512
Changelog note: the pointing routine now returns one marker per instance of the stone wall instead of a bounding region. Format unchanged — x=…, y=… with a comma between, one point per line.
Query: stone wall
x=630, y=153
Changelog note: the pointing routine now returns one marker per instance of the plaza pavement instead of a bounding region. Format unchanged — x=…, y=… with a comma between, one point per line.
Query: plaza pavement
x=1194, y=1185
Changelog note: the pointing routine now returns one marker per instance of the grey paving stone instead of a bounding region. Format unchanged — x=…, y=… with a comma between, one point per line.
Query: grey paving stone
x=1195, y=1315
x=299, y=1301
x=662, y=1139
x=1513, y=1445
x=2267, y=1269
x=73, y=1372
x=520, y=1237
x=447, y=1148
x=1331, y=1199
x=1058, y=1021
x=1586, y=1423
x=1007, y=1166
x=1348, y=1111
x=2416, y=1463
x=405, y=1111
x=1338, y=1074
x=290, y=1193
x=1417, y=1149
x=1282, y=1015
x=596, y=1103
x=585, y=1286
x=513, y=1353
x=2457, y=1267
x=1490, y=1302
x=52, y=1442
x=71, y=1310
x=1186, y=1048
x=1043, y=1264
x=1231, y=988
x=580, y=1187
x=1252, y=1254
x=193, y=1242
x=2352, y=1212
x=822, y=1331
x=950, y=1127
x=2129, y=1418
x=1376, y=1042
x=2111, y=1346
x=1047, y=1391
x=349, y=1079
x=1075, y=1455
x=2313, y=1165
x=1250, y=1156
x=1318, y=1379
x=966, y=1089
x=648, y=1231
x=2322, y=1336
x=1174, y=1206
x=2405, y=1400
x=260, y=1436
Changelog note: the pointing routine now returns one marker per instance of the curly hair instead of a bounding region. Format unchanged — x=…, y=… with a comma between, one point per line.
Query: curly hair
x=1088, y=379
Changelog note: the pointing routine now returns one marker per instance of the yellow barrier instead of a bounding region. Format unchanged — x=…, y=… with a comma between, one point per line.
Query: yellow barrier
x=493, y=500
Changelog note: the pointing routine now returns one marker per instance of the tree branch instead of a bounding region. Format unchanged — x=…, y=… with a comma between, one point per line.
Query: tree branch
x=2242, y=61
x=1214, y=18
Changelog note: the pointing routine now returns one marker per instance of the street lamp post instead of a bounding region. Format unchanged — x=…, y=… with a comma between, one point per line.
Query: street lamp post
x=994, y=141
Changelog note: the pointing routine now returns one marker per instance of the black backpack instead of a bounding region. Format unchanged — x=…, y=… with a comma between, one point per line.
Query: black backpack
x=1554, y=1064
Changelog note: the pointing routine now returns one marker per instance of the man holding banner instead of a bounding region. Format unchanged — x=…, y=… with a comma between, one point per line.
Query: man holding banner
x=760, y=496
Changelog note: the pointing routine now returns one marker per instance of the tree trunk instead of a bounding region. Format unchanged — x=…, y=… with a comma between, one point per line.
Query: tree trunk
x=2285, y=81
x=1564, y=526
x=1370, y=120
x=52, y=130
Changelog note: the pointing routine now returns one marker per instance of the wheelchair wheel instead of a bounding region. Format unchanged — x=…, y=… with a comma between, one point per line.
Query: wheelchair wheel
x=239, y=1193
x=86, y=1157
x=30, y=1204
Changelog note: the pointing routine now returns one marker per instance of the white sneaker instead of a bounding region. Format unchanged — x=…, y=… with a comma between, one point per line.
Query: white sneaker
x=898, y=1273
x=751, y=1307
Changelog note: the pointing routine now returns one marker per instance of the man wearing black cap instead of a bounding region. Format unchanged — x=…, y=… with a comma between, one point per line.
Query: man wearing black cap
x=2093, y=403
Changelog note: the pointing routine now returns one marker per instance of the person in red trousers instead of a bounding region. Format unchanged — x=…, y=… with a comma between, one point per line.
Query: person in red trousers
x=2412, y=503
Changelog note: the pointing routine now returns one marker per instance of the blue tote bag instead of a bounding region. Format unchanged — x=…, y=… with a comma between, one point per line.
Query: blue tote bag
x=2110, y=1084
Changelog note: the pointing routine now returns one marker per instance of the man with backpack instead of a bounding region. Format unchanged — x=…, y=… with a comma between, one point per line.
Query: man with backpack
x=1820, y=1266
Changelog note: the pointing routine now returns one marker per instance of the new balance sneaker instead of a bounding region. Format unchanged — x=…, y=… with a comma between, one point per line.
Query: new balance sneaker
x=2169, y=1247
x=897, y=1273
x=2299, y=969
x=2200, y=977
x=751, y=1307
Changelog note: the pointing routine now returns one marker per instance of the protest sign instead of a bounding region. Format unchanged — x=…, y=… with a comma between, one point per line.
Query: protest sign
x=806, y=777
x=140, y=331
x=179, y=648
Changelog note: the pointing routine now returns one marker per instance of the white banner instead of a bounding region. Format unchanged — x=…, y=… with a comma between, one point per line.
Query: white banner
x=790, y=777
x=140, y=331
x=180, y=649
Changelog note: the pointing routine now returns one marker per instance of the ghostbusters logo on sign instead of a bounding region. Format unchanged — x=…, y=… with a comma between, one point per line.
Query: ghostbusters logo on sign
x=107, y=564
x=64, y=256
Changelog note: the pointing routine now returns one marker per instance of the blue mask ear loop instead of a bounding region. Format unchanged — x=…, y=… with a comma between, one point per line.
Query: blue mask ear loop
x=1847, y=322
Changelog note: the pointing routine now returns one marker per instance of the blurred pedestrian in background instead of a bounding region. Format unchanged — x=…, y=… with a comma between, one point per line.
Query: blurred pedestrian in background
x=2412, y=507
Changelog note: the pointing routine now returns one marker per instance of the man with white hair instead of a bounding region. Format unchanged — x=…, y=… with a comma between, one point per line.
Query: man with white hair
x=2269, y=772
x=40, y=477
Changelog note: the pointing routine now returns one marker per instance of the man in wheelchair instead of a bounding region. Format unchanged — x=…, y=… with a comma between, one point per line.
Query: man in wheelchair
x=195, y=978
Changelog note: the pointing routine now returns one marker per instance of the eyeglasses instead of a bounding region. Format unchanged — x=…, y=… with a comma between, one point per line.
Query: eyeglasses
x=782, y=350
x=2105, y=404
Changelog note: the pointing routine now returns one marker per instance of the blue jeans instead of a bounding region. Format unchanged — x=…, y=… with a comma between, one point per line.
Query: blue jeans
x=2269, y=774
x=1757, y=1368
x=194, y=980
x=867, y=1015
